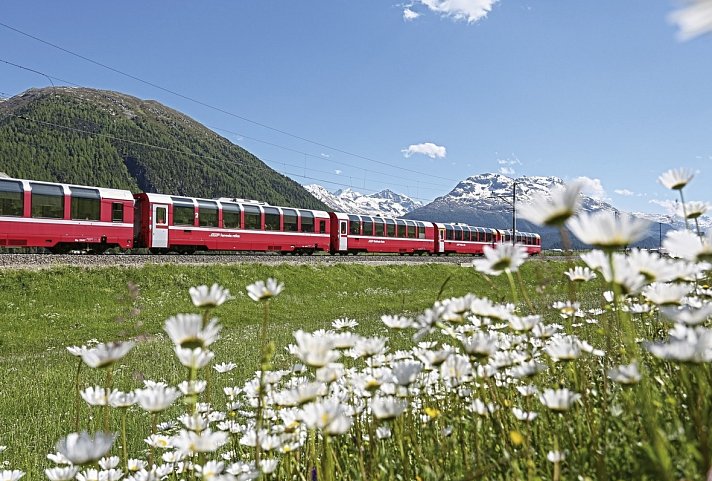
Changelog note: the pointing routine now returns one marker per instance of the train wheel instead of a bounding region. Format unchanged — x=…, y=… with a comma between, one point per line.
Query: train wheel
x=60, y=249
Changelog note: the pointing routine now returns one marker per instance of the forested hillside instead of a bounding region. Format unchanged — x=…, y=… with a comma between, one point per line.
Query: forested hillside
x=103, y=138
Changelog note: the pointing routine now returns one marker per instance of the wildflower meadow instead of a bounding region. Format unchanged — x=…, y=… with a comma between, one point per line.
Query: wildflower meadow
x=610, y=381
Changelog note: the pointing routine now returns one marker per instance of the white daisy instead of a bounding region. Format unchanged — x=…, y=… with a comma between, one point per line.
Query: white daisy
x=388, y=407
x=580, y=274
x=625, y=374
x=559, y=400
x=688, y=315
x=553, y=209
x=666, y=294
x=503, y=257
x=106, y=354
x=83, y=448
x=606, y=230
x=213, y=296
x=157, y=398
x=676, y=179
x=187, y=331
x=261, y=290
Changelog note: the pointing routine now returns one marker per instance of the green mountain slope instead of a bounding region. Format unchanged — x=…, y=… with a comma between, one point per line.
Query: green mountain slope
x=103, y=138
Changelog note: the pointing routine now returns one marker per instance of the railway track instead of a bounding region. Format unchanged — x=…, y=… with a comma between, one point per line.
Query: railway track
x=39, y=261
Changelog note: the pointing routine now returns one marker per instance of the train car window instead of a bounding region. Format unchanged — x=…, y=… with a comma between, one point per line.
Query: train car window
x=117, y=212
x=207, y=213
x=354, y=225
x=367, y=225
x=307, y=221
x=85, y=204
x=231, y=216
x=161, y=215
x=449, y=233
x=271, y=218
x=458, y=233
x=390, y=228
x=401, y=228
x=421, y=230
x=289, y=217
x=12, y=200
x=47, y=201
x=183, y=211
x=411, y=230
x=321, y=226
x=379, y=230
x=253, y=218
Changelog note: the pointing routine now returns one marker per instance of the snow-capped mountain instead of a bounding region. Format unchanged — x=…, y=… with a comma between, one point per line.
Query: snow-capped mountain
x=486, y=200
x=385, y=202
x=496, y=190
x=705, y=222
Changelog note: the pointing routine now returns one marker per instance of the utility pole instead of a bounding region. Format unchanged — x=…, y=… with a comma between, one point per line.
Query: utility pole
x=514, y=212
x=513, y=203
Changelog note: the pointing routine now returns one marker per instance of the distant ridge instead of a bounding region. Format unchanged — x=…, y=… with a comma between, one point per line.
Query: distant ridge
x=385, y=202
x=104, y=138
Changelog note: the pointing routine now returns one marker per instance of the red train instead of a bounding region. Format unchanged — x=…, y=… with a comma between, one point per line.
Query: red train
x=63, y=218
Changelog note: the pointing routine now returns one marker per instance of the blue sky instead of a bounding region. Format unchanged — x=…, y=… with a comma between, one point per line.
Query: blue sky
x=375, y=94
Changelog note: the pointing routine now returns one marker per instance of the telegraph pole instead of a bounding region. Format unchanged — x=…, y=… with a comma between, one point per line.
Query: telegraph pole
x=513, y=203
x=514, y=212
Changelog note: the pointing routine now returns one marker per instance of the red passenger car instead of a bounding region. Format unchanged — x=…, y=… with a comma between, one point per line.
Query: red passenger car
x=63, y=217
x=464, y=239
x=351, y=234
x=530, y=240
x=186, y=224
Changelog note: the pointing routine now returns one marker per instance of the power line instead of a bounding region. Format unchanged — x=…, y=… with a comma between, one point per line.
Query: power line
x=191, y=154
x=244, y=136
x=218, y=109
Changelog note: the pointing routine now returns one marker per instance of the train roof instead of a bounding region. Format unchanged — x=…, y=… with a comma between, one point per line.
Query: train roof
x=168, y=199
x=104, y=192
x=345, y=215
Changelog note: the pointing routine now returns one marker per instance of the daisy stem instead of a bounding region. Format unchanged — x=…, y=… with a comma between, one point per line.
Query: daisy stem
x=206, y=315
x=77, y=398
x=524, y=292
x=515, y=298
x=109, y=381
x=124, y=446
x=557, y=463
x=684, y=209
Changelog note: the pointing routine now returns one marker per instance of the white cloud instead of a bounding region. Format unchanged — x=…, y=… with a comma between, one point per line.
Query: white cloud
x=624, y=192
x=507, y=165
x=669, y=205
x=469, y=10
x=409, y=15
x=337, y=172
x=326, y=156
x=592, y=187
x=427, y=148
x=693, y=20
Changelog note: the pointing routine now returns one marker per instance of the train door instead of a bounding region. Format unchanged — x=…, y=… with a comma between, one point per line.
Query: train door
x=343, y=236
x=441, y=240
x=159, y=227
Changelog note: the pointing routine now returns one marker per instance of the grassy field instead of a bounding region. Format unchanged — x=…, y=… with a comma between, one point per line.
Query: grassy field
x=590, y=400
x=44, y=311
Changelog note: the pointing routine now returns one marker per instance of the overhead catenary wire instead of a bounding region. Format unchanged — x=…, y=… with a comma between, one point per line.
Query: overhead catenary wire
x=290, y=149
x=219, y=109
x=192, y=154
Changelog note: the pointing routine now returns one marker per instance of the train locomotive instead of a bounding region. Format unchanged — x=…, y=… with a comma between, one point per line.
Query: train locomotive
x=63, y=218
